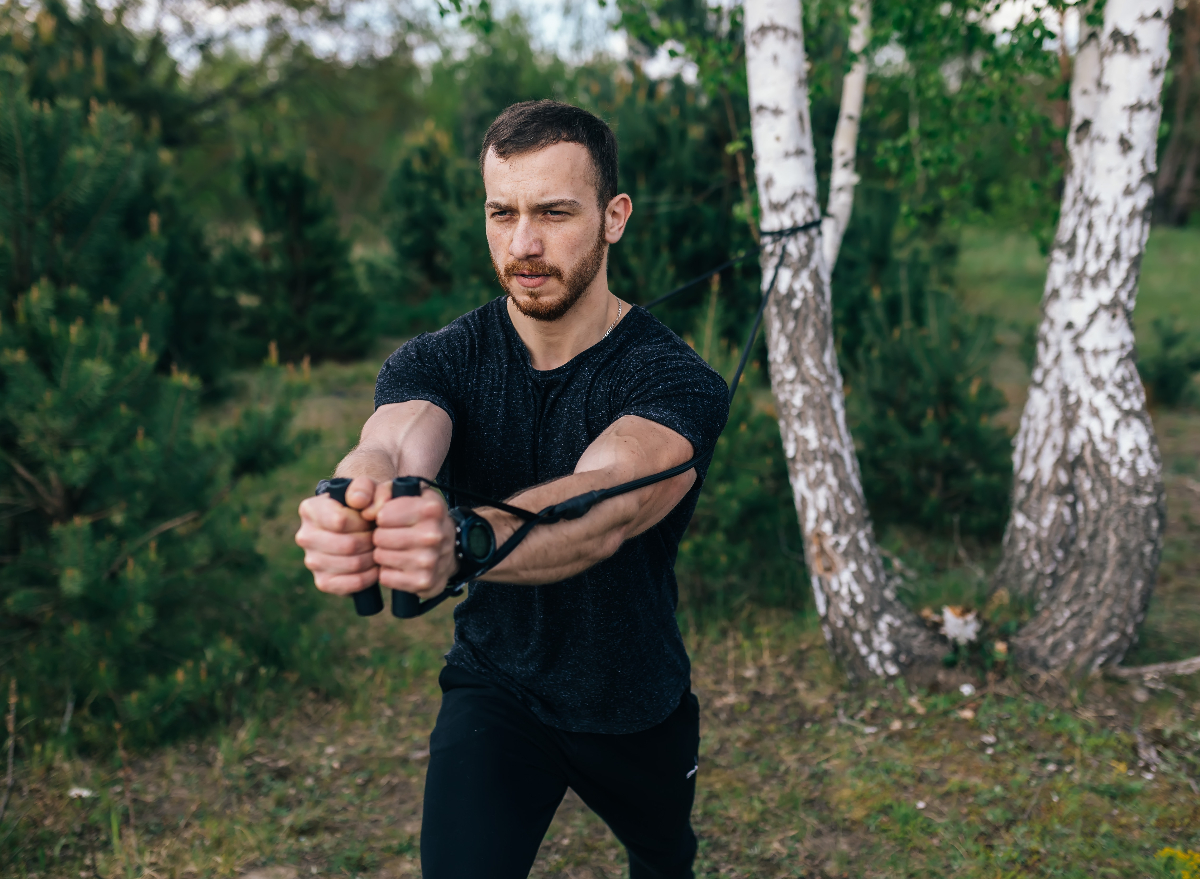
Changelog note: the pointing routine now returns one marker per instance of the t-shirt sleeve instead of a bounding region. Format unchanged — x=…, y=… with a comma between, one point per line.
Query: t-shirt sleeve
x=416, y=371
x=677, y=389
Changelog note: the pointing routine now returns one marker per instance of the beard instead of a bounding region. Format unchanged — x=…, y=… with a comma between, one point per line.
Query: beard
x=575, y=282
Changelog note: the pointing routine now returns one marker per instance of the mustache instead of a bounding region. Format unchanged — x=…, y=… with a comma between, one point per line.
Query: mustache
x=532, y=267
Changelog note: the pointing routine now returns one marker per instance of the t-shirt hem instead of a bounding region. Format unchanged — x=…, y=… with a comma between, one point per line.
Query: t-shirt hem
x=689, y=432
x=440, y=402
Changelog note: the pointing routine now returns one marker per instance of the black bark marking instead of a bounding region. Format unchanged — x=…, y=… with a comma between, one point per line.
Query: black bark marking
x=1126, y=43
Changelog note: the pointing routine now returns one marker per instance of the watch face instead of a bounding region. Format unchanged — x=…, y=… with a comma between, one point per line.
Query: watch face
x=478, y=540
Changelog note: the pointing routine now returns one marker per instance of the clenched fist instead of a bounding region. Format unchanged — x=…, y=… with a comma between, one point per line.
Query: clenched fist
x=404, y=543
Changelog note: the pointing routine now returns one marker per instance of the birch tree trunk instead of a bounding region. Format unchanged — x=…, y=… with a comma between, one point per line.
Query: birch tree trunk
x=1085, y=536
x=868, y=630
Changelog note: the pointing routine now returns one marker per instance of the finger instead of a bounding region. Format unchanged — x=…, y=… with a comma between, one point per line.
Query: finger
x=422, y=583
x=361, y=492
x=323, y=563
x=383, y=494
x=404, y=512
x=409, y=560
x=346, y=584
x=328, y=515
x=422, y=535
x=311, y=537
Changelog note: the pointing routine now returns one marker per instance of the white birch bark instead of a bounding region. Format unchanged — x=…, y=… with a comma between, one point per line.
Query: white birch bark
x=842, y=176
x=868, y=630
x=1085, y=535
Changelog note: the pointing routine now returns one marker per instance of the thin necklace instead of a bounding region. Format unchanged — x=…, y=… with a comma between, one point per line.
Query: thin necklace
x=614, y=323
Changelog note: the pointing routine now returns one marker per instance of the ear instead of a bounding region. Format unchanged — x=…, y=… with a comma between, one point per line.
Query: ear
x=616, y=215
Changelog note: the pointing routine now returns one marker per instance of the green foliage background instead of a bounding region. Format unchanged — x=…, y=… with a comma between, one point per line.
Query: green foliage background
x=165, y=230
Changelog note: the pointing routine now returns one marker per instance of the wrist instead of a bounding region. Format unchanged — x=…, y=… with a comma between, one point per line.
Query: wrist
x=474, y=544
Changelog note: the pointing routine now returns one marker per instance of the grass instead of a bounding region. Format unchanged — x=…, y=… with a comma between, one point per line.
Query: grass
x=798, y=778
x=799, y=775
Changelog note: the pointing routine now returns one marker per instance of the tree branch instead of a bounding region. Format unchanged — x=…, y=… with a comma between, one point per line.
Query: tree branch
x=842, y=176
x=54, y=506
x=740, y=158
x=150, y=535
x=1158, y=670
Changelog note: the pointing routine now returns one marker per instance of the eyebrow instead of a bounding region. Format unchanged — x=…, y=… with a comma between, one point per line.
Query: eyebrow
x=542, y=206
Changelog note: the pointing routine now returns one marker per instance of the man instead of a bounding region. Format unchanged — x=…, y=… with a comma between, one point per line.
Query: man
x=568, y=669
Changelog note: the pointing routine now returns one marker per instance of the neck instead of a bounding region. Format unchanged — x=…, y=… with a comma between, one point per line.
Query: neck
x=553, y=343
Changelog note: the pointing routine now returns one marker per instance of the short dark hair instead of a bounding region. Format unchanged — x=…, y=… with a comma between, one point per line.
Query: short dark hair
x=534, y=125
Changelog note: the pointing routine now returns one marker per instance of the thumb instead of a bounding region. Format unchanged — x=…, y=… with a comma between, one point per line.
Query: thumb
x=361, y=493
x=383, y=494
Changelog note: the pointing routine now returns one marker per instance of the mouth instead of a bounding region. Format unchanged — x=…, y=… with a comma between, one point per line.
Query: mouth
x=531, y=282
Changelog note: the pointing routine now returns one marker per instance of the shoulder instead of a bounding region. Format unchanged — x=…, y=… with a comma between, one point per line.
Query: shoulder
x=430, y=366
x=657, y=354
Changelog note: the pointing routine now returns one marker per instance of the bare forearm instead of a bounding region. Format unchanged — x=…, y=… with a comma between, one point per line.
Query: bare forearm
x=554, y=552
x=400, y=439
x=375, y=464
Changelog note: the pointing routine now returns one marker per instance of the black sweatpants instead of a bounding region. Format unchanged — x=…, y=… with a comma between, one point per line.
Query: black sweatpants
x=497, y=775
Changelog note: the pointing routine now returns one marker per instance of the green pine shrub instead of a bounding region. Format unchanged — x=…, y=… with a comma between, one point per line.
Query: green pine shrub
x=92, y=58
x=1168, y=370
x=134, y=600
x=919, y=399
x=297, y=284
x=436, y=229
x=922, y=409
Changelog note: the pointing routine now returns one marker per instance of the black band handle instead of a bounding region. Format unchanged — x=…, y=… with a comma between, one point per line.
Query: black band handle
x=369, y=601
x=405, y=605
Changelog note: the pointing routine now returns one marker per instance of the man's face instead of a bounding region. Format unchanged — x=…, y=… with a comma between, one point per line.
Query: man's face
x=546, y=232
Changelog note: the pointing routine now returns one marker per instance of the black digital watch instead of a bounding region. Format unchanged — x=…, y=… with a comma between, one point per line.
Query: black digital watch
x=474, y=544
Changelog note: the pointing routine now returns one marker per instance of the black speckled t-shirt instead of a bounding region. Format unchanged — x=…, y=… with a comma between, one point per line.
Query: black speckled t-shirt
x=601, y=651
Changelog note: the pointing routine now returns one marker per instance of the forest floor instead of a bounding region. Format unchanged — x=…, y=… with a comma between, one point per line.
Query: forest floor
x=982, y=775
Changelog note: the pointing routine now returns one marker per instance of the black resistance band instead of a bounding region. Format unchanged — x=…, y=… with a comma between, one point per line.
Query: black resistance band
x=407, y=605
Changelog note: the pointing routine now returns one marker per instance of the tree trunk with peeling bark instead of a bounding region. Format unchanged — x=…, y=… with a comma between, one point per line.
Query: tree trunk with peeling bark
x=868, y=630
x=1085, y=536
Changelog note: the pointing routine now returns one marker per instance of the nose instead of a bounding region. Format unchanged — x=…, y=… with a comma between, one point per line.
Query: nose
x=526, y=243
